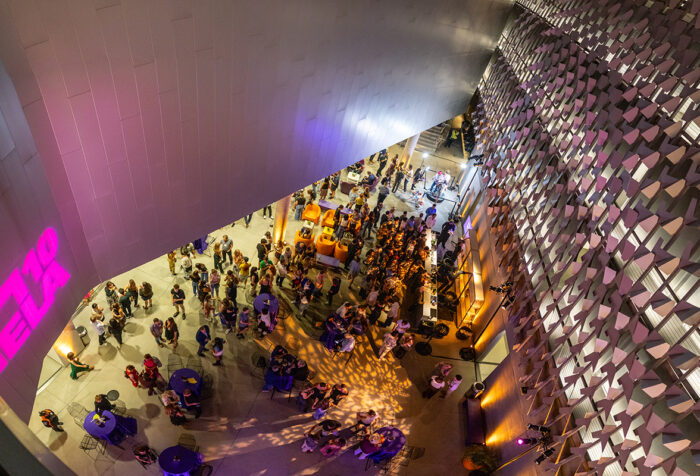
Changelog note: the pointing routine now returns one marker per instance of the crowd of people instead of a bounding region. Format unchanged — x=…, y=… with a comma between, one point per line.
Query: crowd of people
x=390, y=276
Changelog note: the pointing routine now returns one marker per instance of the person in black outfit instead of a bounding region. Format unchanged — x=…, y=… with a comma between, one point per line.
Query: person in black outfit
x=447, y=229
x=262, y=249
x=125, y=303
x=192, y=402
x=116, y=328
x=102, y=404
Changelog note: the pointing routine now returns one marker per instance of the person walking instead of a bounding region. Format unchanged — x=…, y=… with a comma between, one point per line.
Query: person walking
x=100, y=329
x=383, y=159
x=76, y=366
x=408, y=177
x=383, y=191
x=202, y=337
x=178, y=296
x=172, y=334
x=157, y=331
x=399, y=179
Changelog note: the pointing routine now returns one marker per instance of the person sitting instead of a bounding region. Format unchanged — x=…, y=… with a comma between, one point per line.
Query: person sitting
x=332, y=447
x=265, y=322
x=369, y=445
x=169, y=397
x=191, y=402
x=102, y=404
x=50, y=420
x=176, y=416
x=364, y=421
x=300, y=371
x=347, y=344
x=145, y=455
x=369, y=179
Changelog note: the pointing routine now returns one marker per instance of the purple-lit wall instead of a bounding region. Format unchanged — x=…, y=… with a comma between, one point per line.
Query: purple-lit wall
x=35, y=271
x=174, y=118
x=156, y=122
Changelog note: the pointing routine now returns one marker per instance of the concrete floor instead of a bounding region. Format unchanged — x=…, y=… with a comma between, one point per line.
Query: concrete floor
x=243, y=431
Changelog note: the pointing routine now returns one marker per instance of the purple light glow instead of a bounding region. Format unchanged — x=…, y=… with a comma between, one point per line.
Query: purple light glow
x=39, y=263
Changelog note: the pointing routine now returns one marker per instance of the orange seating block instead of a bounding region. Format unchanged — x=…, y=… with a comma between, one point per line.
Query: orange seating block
x=299, y=238
x=325, y=246
x=341, y=252
x=312, y=212
x=328, y=219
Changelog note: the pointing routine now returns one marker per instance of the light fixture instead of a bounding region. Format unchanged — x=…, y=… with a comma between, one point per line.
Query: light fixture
x=463, y=165
x=546, y=454
x=425, y=155
x=526, y=441
x=541, y=429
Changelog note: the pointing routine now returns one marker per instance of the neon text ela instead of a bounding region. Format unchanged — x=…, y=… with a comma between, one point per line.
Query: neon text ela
x=39, y=265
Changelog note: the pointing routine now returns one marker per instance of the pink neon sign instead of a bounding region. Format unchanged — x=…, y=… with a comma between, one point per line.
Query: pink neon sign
x=40, y=264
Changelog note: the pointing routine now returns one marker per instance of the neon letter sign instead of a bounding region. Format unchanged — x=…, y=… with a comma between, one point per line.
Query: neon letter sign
x=40, y=264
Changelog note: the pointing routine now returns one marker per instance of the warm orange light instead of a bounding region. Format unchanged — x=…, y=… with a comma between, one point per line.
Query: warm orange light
x=63, y=348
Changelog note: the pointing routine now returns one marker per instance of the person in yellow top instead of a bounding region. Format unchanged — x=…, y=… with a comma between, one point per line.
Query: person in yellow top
x=171, y=262
x=244, y=271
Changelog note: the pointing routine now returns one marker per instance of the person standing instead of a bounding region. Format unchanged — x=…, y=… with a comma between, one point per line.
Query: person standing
x=451, y=385
x=171, y=332
x=335, y=181
x=186, y=264
x=217, y=350
x=299, y=204
x=354, y=270
x=202, y=337
x=437, y=382
x=146, y=292
x=243, y=322
x=132, y=374
x=171, y=262
x=195, y=279
x=218, y=258
x=125, y=303
x=116, y=328
x=76, y=366
x=267, y=211
x=399, y=179
x=334, y=289
x=178, y=296
x=247, y=219
x=227, y=315
x=383, y=159
x=408, y=177
x=390, y=339
x=100, y=329
x=383, y=191
x=215, y=282
x=226, y=245
x=157, y=331
x=133, y=292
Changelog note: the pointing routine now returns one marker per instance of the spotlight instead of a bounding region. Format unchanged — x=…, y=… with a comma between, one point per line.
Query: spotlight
x=463, y=165
x=541, y=429
x=526, y=441
x=425, y=155
x=546, y=454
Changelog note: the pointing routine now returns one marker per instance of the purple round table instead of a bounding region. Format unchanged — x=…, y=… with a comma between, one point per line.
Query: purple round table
x=100, y=430
x=259, y=303
x=394, y=441
x=179, y=383
x=177, y=460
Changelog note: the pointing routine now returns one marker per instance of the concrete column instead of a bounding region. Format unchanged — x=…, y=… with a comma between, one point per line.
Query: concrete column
x=281, y=218
x=408, y=149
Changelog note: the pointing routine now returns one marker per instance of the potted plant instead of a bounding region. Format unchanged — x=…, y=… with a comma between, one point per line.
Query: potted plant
x=479, y=457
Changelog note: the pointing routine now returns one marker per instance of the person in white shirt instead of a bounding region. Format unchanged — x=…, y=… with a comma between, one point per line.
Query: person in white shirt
x=347, y=344
x=99, y=328
x=393, y=312
x=390, y=339
x=343, y=309
x=437, y=383
x=451, y=386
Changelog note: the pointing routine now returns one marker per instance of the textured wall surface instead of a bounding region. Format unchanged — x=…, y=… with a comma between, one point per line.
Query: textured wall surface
x=31, y=322
x=589, y=114
x=174, y=117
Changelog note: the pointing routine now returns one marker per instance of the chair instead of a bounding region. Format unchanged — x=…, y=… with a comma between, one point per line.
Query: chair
x=341, y=252
x=202, y=470
x=325, y=246
x=207, y=386
x=195, y=363
x=188, y=441
x=328, y=219
x=259, y=362
x=312, y=213
x=78, y=412
x=153, y=454
x=119, y=408
x=174, y=363
x=90, y=444
x=306, y=241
